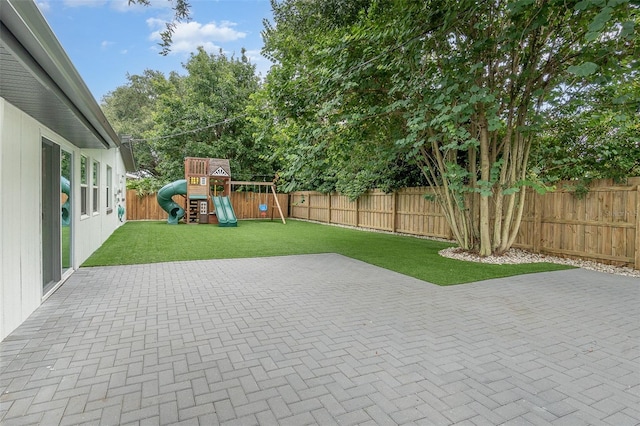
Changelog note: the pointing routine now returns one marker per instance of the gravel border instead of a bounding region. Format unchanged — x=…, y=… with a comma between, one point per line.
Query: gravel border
x=515, y=256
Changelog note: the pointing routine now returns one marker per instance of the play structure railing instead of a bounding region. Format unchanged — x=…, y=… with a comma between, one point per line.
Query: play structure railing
x=197, y=166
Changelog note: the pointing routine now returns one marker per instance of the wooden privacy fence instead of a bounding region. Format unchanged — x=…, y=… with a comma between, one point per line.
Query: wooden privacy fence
x=603, y=226
x=245, y=205
x=405, y=211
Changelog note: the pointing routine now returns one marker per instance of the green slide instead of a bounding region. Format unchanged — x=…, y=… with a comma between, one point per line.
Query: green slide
x=224, y=211
x=166, y=202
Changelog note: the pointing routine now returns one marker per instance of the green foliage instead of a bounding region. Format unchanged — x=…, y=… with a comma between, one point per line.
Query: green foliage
x=212, y=111
x=583, y=70
x=130, y=108
x=595, y=134
x=592, y=126
x=145, y=186
x=337, y=140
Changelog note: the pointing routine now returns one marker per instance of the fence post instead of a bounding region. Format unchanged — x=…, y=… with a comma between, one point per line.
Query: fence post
x=637, y=260
x=357, y=212
x=129, y=205
x=537, y=222
x=393, y=211
x=329, y=220
x=308, y=205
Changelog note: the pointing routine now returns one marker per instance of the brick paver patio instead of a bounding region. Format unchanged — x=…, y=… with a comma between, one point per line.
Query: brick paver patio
x=324, y=339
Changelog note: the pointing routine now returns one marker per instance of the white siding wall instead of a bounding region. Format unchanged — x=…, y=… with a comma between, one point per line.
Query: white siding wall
x=92, y=230
x=20, y=250
x=20, y=212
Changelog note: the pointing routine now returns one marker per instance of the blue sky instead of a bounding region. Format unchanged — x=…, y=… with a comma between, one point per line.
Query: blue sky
x=106, y=39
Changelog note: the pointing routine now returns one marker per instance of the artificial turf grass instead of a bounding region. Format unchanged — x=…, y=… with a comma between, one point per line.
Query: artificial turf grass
x=152, y=242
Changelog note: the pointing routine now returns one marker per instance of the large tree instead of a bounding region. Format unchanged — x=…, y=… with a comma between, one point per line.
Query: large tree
x=203, y=114
x=130, y=109
x=208, y=112
x=458, y=87
x=332, y=148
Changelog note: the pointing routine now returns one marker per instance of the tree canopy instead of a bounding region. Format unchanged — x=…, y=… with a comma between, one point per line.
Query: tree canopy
x=459, y=89
x=201, y=114
x=592, y=134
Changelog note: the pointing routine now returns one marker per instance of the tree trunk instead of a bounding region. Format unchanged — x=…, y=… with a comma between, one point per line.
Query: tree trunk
x=485, y=176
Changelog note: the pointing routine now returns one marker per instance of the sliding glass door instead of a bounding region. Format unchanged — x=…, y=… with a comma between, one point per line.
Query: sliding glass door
x=51, y=249
x=56, y=213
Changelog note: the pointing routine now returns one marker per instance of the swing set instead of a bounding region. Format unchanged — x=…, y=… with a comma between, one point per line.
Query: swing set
x=263, y=207
x=263, y=197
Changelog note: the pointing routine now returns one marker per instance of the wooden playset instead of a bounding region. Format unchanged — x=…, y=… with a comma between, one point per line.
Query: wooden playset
x=207, y=189
x=207, y=179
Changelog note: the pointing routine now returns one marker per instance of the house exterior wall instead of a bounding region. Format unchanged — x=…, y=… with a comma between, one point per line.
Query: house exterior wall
x=21, y=289
x=93, y=229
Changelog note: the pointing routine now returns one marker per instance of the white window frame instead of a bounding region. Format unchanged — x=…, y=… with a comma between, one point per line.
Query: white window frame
x=109, y=190
x=95, y=186
x=84, y=186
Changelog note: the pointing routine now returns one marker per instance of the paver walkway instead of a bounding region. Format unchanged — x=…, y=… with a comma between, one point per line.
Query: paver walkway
x=324, y=339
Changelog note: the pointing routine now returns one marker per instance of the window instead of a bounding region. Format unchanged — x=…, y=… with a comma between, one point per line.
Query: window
x=84, y=189
x=95, y=185
x=108, y=192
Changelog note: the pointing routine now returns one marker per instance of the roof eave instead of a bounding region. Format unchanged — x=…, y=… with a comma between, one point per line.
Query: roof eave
x=30, y=29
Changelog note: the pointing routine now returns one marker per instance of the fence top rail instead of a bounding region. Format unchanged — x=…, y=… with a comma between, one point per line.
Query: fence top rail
x=561, y=187
x=600, y=188
x=242, y=182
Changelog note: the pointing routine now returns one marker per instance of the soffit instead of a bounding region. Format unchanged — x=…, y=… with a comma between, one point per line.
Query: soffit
x=37, y=77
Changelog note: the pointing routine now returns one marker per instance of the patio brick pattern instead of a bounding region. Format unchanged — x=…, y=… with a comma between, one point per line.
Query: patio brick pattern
x=324, y=339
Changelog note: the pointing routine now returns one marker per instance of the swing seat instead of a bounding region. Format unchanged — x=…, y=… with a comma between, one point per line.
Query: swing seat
x=262, y=207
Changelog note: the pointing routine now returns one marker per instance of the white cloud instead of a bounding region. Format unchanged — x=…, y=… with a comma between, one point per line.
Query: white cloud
x=253, y=55
x=189, y=35
x=83, y=3
x=44, y=6
x=106, y=44
x=119, y=5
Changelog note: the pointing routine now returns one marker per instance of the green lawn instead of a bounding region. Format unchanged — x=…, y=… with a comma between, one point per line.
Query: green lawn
x=151, y=242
